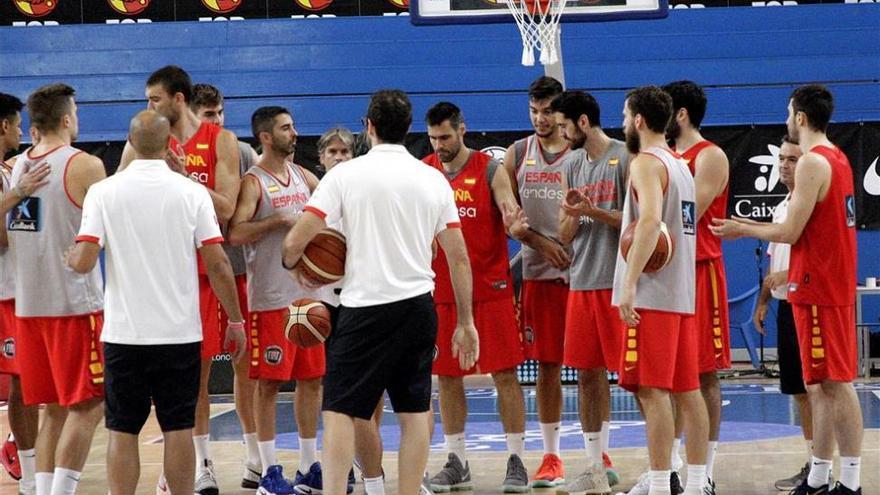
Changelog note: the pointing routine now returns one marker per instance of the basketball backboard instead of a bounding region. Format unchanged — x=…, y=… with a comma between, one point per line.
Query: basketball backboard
x=485, y=11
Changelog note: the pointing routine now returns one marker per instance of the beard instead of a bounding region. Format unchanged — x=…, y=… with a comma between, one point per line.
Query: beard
x=283, y=148
x=578, y=140
x=673, y=130
x=447, y=156
x=633, y=143
x=793, y=132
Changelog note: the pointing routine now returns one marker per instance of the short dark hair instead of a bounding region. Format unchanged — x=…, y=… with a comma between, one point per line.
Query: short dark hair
x=816, y=102
x=205, y=95
x=174, y=80
x=788, y=139
x=9, y=106
x=263, y=119
x=653, y=104
x=690, y=96
x=390, y=112
x=48, y=105
x=544, y=87
x=442, y=112
x=573, y=104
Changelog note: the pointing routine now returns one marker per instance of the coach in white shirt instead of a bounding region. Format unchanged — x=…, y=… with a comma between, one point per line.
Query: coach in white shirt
x=150, y=221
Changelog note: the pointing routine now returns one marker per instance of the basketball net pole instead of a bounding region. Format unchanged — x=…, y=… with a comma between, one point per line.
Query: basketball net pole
x=557, y=70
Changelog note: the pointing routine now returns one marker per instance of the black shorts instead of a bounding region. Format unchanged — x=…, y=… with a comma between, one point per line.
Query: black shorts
x=791, y=376
x=137, y=376
x=378, y=348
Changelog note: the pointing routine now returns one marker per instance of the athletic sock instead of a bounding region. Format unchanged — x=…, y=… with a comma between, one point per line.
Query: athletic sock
x=677, y=461
x=307, y=453
x=455, y=444
x=64, y=481
x=660, y=484
x=374, y=486
x=695, y=480
x=550, y=433
x=28, y=461
x=267, y=454
x=593, y=446
x=253, y=452
x=203, y=451
x=850, y=470
x=819, y=471
x=44, y=483
x=516, y=443
x=710, y=459
x=606, y=435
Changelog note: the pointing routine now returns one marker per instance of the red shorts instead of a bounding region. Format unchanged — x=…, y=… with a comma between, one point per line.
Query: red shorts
x=827, y=339
x=62, y=359
x=712, y=317
x=8, y=332
x=543, y=319
x=592, y=331
x=273, y=357
x=660, y=353
x=214, y=316
x=500, y=342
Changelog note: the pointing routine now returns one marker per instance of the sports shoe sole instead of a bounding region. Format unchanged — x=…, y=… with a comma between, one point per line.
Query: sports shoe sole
x=249, y=484
x=613, y=477
x=516, y=488
x=208, y=491
x=460, y=487
x=548, y=483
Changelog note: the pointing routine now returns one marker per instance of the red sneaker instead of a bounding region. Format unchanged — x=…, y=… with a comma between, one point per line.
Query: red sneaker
x=9, y=458
x=613, y=477
x=550, y=473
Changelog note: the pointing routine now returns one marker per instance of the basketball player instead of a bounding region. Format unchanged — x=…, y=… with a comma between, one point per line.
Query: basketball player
x=151, y=340
x=820, y=226
x=272, y=196
x=534, y=165
x=392, y=208
x=481, y=195
x=658, y=352
x=207, y=104
x=59, y=312
x=18, y=454
x=791, y=378
x=209, y=154
x=708, y=164
x=595, y=176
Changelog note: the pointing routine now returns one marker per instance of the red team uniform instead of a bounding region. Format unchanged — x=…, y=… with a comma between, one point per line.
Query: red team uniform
x=822, y=286
x=712, y=314
x=486, y=239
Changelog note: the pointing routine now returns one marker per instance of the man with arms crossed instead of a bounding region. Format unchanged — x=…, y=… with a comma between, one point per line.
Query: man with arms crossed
x=392, y=207
x=820, y=226
x=152, y=340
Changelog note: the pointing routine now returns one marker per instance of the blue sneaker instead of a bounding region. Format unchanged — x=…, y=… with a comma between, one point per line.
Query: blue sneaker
x=312, y=483
x=351, y=481
x=274, y=483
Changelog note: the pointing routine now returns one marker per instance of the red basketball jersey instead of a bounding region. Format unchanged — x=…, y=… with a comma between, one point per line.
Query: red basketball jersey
x=201, y=154
x=708, y=244
x=822, y=269
x=483, y=230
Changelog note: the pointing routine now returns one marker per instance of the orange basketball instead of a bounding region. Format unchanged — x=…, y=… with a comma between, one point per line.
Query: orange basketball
x=323, y=261
x=308, y=323
x=663, y=251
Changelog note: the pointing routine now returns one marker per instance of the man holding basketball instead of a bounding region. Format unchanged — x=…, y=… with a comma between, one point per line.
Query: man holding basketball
x=272, y=197
x=392, y=207
x=658, y=351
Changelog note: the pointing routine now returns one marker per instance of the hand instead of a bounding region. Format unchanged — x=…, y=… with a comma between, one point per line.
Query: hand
x=32, y=180
x=515, y=221
x=627, y=312
x=288, y=220
x=466, y=345
x=758, y=318
x=303, y=279
x=176, y=160
x=577, y=204
x=235, y=335
x=554, y=253
x=776, y=279
x=727, y=228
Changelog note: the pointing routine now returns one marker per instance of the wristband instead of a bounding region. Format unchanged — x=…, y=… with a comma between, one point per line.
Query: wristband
x=235, y=325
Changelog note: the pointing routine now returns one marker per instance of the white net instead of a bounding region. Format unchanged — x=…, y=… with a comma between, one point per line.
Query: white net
x=538, y=23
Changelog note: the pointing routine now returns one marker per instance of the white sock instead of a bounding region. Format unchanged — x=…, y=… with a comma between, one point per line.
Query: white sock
x=64, y=481
x=550, y=432
x=659, y=483
x=374, y=486
x=819, y=471
x=253, y=452
x=203, y=451
x=267, y=454
x=710, y=459
x=593, y=445
x=44, y=483
x=455, y=444
x=606, y=435
x=850, y=469
x=809, y=450
x=28, y=460
x=696, y=479
x=307, y=453
x=677, y=461
x=516, y=443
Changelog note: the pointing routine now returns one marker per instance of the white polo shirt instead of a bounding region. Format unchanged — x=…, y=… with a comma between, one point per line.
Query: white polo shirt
x=779, y=252
x=150, y=221
x=391, y=206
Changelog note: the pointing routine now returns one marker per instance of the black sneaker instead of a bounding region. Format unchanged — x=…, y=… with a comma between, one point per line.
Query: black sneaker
x=839, y=489
x=675, y=484
x=709, y=489
x=805, y=489
x=794, y=481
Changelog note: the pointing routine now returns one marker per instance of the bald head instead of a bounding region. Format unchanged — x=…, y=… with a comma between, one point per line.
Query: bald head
x=148, y=135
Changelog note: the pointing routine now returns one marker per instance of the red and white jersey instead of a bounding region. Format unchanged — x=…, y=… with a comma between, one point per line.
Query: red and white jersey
x=483, y=230
x=822, y=269
x=201, y=154
x=7, y=269
x=708, y=244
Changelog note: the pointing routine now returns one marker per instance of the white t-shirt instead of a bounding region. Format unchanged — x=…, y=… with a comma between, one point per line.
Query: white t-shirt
x=779, y=252
x=391, y=207
x=150, y=221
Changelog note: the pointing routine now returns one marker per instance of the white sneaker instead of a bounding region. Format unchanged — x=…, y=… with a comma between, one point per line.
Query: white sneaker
x=250, y=480
x=206, y=480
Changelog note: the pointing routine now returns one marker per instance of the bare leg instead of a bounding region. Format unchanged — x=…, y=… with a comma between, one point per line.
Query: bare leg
x=23, y=420
x=307, y=407
x=338, y=452
x=660, y=426
x=453, y=408
x=76, y=437
x=710, y=387
x=203, y=406
x=47, y=439
x=244, y=389
x=549, y=393
x=806, y=413
x=123, y=463
x=848, y=429
x=368, y=443
x=180, y=461
x=267, y=393
x=696, y=425
x=594, y=399
x=823, y=422
x=414, y=448
x=511, y=406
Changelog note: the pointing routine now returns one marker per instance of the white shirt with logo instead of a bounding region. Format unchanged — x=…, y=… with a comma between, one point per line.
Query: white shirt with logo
x=780, y=252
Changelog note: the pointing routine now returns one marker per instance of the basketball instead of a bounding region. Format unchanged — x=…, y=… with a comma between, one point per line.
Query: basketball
x=323, y=261
x=308, y=323
x=663, y=251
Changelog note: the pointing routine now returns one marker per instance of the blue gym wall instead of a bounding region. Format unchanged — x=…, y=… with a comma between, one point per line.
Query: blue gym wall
x=749, y=59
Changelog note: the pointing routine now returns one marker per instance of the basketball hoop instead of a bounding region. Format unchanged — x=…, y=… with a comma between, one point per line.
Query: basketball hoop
x=538, y=23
